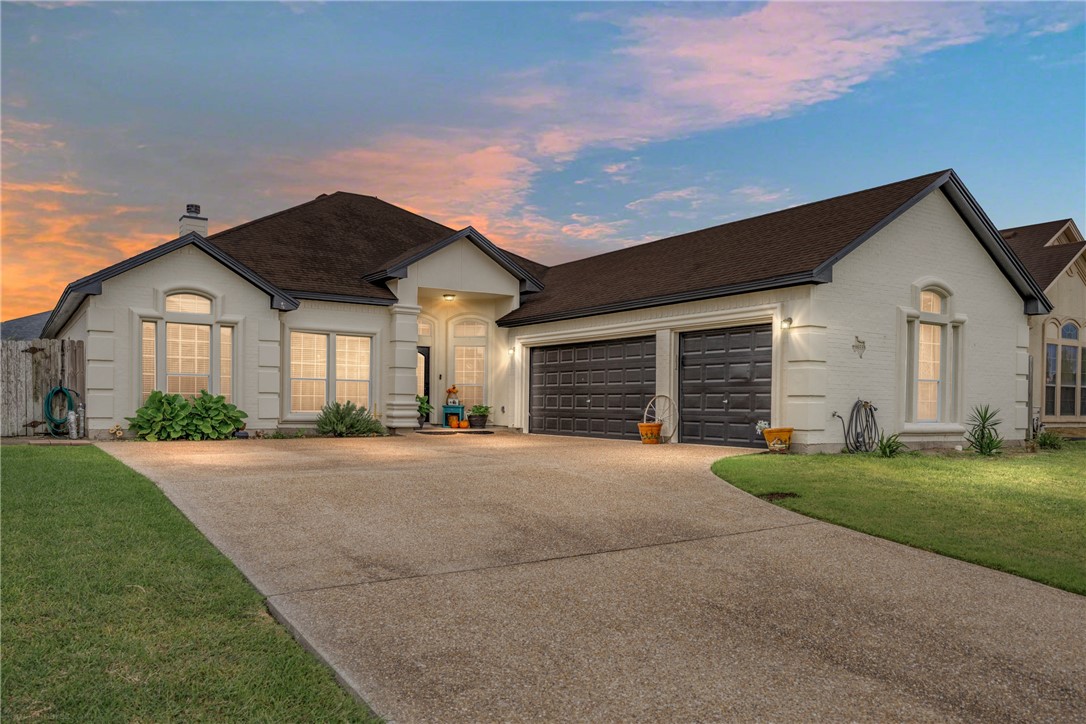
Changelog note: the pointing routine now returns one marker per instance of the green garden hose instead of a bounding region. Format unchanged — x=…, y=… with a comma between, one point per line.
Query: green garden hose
x=57, y=426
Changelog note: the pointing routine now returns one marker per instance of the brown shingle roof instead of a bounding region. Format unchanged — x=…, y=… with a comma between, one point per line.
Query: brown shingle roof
x=774, y=249
x=327, y=245
x=1044, y=263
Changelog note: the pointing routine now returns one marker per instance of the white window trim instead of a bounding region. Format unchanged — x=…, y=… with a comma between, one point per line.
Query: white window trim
x=952, y=361
x=476, y=341
x=289, y=415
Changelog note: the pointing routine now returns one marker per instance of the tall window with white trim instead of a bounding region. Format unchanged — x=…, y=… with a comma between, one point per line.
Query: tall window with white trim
x=308, y=371
x=1065, y=370
x=933, y=341
x=469, y=361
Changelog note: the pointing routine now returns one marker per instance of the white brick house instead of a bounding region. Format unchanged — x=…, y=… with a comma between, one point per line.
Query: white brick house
x=904, y=295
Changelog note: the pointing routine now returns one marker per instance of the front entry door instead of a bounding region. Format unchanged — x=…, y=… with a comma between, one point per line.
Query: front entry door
x=422, y=371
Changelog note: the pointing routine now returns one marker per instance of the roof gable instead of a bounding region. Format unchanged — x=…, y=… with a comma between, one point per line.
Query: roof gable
x=77, y=291
x=397, y=267
x=1034, y=246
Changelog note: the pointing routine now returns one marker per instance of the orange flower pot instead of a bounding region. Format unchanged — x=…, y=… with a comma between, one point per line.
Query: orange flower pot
x=778, y=439
x=650, y=432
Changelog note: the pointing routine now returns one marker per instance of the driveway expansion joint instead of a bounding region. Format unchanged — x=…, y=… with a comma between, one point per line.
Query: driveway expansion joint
x=551, y=559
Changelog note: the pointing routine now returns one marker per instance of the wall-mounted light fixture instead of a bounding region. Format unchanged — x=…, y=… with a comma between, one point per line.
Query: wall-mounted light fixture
x=448, y=297
x=786, y=323
x=512, y=351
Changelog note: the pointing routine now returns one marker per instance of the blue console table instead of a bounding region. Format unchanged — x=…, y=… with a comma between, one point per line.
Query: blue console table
x=447, y=410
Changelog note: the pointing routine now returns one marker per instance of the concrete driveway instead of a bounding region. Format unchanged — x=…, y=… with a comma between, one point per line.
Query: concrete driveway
x=511, y=577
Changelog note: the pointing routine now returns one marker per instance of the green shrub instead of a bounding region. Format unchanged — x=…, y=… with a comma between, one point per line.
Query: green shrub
x=983, y=435
x=892, y=446
x=425, y=408
x=479, y=410
x=212, y=418
x=345, y=420
x=162, y=417
x=1049, y=440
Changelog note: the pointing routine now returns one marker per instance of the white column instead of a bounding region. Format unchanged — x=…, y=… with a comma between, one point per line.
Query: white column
x=400, y=406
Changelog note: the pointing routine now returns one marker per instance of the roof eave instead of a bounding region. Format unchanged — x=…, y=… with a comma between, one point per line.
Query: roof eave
x=790, y=280
x=91, y=285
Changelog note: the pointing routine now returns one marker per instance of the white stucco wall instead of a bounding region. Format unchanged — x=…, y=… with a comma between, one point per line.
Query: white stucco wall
x=111, y=326
x=874, y=284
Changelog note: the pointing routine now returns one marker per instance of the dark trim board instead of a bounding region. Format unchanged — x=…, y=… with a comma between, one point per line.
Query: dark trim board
x=591, y=389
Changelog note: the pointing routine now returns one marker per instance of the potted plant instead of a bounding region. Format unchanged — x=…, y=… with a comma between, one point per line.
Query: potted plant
x=425, y=408
x=777, y=439
x=477, y=415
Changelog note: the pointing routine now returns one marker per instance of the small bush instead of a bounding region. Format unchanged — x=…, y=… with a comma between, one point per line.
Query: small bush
x=346, y=420
x=213, y=418
x=162, y=417
x=892, y=446
x=1049, y=440
x=983, y=435
x=479, y=410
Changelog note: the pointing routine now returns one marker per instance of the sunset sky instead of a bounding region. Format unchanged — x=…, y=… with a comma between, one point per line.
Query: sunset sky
x=559, y=130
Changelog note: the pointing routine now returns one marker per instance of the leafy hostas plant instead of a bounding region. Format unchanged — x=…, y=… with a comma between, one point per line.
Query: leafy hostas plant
x=983, y=435
x=172, y=417
x=162, y=417
x=213, y=418
x=345, y=420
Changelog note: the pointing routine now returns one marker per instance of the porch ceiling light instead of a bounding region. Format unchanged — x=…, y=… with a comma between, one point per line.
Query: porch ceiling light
x=448, y=297
x=786, y=323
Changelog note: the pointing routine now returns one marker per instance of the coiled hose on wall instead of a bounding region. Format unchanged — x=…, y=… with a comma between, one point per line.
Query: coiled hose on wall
x=58, y=426
x=862, y=432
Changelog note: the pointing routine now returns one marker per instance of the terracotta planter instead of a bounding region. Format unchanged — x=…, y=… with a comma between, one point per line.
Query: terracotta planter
x=650, y=432
x=778, y=439
x=477, y=420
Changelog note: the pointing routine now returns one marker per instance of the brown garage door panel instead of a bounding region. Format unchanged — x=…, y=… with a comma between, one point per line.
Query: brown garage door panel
x=725, y=380
x=596, y=389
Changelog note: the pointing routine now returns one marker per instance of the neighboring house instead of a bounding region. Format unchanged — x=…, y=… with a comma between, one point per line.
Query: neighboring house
x=905, y=295
x=28, y=327
x=1053, y=252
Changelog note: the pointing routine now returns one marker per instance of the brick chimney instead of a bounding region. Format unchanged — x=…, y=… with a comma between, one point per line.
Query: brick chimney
x=192, y=221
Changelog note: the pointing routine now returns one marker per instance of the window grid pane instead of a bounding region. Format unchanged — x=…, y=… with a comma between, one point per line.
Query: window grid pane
x=469, y=329
x=931, y=302
x=469, y=374
x=929, y=372
x=147, y=373
x=307, y=395
x=190, y=303
x=188, y=358
x=308, y=355
x=1068, y=379
x=425, y=330
x=226, y=362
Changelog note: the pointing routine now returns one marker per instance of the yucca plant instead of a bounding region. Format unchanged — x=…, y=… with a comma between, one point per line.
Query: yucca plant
x=983, y=435
x=890, y=446
x=346, y=420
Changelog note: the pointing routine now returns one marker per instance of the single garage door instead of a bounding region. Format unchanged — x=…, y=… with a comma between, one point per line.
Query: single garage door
x=596, y=389
x=724, y=384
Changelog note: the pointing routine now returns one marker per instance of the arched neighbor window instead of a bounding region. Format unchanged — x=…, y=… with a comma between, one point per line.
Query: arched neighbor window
x=1065, y=370
x=933, y=344
x=186, y=351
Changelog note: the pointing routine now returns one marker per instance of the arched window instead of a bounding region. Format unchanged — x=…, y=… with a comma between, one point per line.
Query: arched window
x=933, y=338
x=469, y=342
x=1065, y=370
x=186, y=351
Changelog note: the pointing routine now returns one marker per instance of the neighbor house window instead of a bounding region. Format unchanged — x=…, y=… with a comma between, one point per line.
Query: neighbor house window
x=933, y=341
x=313, y=379
x=1065, y=370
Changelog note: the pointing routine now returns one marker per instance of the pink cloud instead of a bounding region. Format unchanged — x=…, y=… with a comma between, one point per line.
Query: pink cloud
x=760, y=195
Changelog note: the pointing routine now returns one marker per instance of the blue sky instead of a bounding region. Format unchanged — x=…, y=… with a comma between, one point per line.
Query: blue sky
x=558, y=129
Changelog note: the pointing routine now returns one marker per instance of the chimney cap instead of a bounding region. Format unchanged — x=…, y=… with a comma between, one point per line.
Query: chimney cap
x=192, y=209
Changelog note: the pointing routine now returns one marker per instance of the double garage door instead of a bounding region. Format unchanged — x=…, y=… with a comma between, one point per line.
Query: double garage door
x=600, y=389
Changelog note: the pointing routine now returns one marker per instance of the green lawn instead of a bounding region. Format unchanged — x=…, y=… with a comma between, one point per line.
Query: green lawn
x=116, y=608
x=1017, y=512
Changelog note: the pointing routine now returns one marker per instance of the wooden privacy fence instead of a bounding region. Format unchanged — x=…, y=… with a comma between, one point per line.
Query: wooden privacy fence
x=28, y=370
